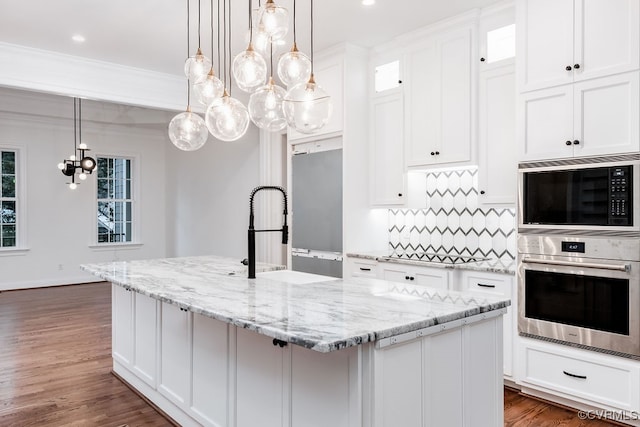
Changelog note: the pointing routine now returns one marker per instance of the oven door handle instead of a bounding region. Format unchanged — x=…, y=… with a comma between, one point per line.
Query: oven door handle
x=615, y=267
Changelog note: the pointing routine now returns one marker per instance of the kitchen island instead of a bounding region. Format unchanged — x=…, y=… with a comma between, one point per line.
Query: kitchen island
x=210, y=347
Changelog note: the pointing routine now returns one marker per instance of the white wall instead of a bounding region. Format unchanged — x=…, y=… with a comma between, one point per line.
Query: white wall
x=208, y=196
x=60, y=222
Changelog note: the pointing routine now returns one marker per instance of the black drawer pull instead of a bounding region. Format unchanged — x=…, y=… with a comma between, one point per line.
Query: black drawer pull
x=482, y=285
x=406, y=277
x=365, y=269
x=412, y=278
x=569, y=374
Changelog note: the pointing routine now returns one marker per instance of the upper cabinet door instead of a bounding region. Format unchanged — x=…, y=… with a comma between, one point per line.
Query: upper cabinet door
x=545, y=43
x=607, y=37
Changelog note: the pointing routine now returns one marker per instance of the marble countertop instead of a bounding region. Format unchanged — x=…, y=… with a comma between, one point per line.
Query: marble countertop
x=323, y=316
x=499, y=265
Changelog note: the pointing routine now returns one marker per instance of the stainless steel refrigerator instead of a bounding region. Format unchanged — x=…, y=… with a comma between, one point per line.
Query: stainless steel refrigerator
x=316, y=231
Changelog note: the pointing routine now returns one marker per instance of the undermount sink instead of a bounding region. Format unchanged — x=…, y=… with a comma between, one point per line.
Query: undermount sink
x=294, y=277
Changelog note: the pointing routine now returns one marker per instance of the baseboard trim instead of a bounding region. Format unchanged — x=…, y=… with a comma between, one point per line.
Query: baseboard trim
x=33, y=284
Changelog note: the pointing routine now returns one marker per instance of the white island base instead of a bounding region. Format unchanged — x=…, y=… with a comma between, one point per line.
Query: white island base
x=201, y=371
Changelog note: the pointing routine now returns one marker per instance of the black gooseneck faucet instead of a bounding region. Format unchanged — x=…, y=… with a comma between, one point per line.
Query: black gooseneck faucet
x=252, y=231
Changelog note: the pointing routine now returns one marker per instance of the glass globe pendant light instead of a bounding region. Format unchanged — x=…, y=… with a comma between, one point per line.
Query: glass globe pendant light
x=209, y=87
x=227, y=118
x=265, y=105
x=307, y=106
x=196, y=66
x=249, y=67
x=275, y=20
x=294, y=66
x=187, y=130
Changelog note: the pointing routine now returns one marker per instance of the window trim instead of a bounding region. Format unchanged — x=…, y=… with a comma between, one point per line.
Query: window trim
x=21, y=247
x=135, y=204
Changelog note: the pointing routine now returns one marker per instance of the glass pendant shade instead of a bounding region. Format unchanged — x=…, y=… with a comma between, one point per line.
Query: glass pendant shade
x=227, y=119
x=188, y=131
x=249, y=70
x=265, y=107
x=294, y=67
x=275, y=20
x=307, y=107
x=208, y=88
x=197, y=66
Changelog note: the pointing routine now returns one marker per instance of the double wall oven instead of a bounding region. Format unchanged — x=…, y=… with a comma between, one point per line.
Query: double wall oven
x=579, y=252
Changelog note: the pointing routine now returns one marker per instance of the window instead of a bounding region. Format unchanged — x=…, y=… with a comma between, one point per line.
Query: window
x=387, y=76
x=8, y=199
x=501, y=43
x=115, y=201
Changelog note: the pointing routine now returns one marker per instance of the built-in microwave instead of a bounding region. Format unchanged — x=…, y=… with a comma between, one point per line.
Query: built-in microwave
x=600, y=195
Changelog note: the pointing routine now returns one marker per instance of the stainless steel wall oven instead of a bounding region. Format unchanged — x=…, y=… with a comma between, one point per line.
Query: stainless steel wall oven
x=579, y=252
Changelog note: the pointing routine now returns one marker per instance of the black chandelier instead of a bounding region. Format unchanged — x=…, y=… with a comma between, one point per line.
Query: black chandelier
x=79, y=162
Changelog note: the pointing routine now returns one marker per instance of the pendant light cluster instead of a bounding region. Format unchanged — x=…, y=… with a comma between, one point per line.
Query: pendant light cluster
x=305, y=107
x=79, y=162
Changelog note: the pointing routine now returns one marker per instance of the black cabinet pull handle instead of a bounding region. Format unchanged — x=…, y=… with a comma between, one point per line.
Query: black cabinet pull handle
x=576, y=142
x=433, y=153
x=481, y=191
x=568, y=143
x=568, y=68
x=399, y=194
x=400, y=82
x=437, y=153
x=482, y=59
x=406, y=277
x=569, y=374
x=576, y=66
x=279, y=343
x=365, y=269
x=412, y=278
x=482, y=285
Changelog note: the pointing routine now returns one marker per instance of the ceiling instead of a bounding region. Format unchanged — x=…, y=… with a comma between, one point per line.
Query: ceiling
x=151, y=34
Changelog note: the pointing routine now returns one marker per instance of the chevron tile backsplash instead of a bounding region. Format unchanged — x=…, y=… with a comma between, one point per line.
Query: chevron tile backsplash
x=453, y=222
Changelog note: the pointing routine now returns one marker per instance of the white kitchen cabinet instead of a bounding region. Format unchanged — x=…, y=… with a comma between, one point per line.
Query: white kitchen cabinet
x=417, y=275
x=388, y=180
x=496, y=36
x=593, y=117
x=555, y=371
x=329, y=74
x=562, y=41
x=449, y=378
x=145, y=338
x=440, y=99
x=497, y=153
x=358, y=267
x=497, y=285
x=175, y=354
x=122, y=331
x=259, y=387
x=210, y=382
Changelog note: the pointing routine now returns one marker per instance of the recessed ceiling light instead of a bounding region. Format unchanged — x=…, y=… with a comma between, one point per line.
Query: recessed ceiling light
x=368, y=2
x=78, y=38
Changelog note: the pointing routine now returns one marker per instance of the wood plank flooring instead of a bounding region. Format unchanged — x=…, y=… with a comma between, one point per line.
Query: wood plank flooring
x=55, y=367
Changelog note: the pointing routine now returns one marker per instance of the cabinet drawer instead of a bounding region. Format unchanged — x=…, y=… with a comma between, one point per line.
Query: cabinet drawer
x=604, y=381
x=487, y=284
x=363, y=268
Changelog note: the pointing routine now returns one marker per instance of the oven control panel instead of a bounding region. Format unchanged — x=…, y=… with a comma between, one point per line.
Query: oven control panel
x=620, y=182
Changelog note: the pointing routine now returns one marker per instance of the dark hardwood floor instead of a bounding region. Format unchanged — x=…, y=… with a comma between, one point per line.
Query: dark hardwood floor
x=55, y=367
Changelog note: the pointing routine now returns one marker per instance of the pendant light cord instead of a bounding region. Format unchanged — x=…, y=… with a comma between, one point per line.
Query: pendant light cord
x=224, y=31
x=250, y=24
x=198, y=24
x=80, y=120
x=294, y=22
x=188, y=51
x=230, y=32
x=75, y=127
x=211, y=22
x=311, y=37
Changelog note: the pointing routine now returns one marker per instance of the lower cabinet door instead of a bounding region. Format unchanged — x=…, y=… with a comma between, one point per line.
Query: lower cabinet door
x=145, y=329
x=122, y=332
x=259, y=381
x=175, y=345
